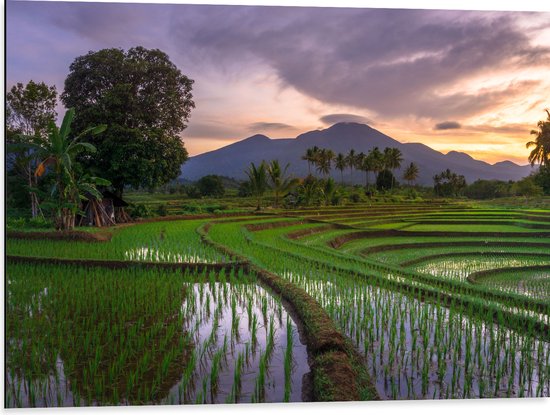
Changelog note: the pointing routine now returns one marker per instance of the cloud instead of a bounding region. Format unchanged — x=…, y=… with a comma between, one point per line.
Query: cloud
x=331, y=119
x=391, y=63
x=395, y=63
x=273, y=126
x=211, y=129
x=514, y=129
x=448, y=125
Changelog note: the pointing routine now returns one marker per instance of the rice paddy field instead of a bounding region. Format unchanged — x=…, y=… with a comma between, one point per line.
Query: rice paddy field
x=411, y=300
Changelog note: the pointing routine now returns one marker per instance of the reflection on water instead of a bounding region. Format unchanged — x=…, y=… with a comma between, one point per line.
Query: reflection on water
x=240, y=345
x=156, y=255
x=241, y=336
x=419, y=350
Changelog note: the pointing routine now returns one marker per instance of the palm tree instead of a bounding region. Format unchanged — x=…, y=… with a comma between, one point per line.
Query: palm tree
x=310, y=190
x=59, y=152
x=324, y=161
x=308, y=157
x=541, y=153
x=280, y=183
x=311, y=157
x=328, y=190
x=340, y=163
x=411, y=173
x=448, y=183
x=377, y=161
x=257, y=180
x=437, y=184
x=392, y=160
x=368, y=165
x=351, y=159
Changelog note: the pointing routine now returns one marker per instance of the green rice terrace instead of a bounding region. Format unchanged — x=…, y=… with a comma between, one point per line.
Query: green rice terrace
x=409, y=300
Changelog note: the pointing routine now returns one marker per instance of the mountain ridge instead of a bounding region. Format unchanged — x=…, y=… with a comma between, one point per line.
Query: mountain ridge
x=233, y=159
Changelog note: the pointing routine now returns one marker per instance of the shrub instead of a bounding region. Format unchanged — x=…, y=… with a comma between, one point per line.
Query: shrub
x=162, y=210
x=211, y=185
x=385, y=180
x=39, y=222
x=15, y=223
x=355, y=197
x=192, y=191
x=527, y=187
x=140, y=211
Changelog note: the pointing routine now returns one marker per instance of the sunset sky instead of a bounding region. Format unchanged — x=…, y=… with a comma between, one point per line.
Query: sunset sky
x=454, y=80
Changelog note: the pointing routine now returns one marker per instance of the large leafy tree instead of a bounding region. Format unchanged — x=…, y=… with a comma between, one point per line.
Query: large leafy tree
x=541, y=152
x=29, y=110
x=145, y=100
x=211, y=185
x=448, y=183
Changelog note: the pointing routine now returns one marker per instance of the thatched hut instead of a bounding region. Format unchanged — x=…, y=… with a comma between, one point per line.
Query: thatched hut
x=105, y=212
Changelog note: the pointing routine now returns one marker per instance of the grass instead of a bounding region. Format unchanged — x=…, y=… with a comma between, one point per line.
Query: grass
x=174, y=241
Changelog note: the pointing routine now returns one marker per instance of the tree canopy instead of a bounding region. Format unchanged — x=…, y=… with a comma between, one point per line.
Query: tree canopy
x=211, y=185
x=29, y=110
x=448, y=183
x=145, y=100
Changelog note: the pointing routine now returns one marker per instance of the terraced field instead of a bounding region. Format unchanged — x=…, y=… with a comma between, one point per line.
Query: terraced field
x=389, y=301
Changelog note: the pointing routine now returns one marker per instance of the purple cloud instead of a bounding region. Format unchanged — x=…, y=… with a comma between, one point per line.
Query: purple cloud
x=393, y=63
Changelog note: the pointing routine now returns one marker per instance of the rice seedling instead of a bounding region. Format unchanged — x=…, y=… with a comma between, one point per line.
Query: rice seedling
x=435, y=315
x=134, y=336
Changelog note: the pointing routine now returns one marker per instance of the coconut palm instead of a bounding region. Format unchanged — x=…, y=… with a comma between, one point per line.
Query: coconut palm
x=280, y=182
x=411, y=173
x=359, y=160
x=311, y=156
x=351, y=159
x=324, y=161
x=368, y=166
x=541, y=153
x=59, y=152
x=328, y=190
x=257, y=180
x=392, y=160
x=376, y=162
x=340, y=163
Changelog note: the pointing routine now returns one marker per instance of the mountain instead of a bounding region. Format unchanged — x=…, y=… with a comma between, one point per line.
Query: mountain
x=233, y=159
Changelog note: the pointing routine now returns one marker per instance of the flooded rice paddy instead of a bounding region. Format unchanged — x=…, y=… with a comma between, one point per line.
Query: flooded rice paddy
x=158, y=337
x=419, y=350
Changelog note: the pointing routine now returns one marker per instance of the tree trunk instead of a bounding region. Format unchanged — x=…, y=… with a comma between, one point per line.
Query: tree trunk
x=35, y=208
x=65, y=220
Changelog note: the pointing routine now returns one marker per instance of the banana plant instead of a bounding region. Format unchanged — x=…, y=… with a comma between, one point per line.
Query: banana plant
x=58, y=152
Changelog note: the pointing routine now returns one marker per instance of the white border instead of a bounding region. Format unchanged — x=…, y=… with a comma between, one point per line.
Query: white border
x=447, y=407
